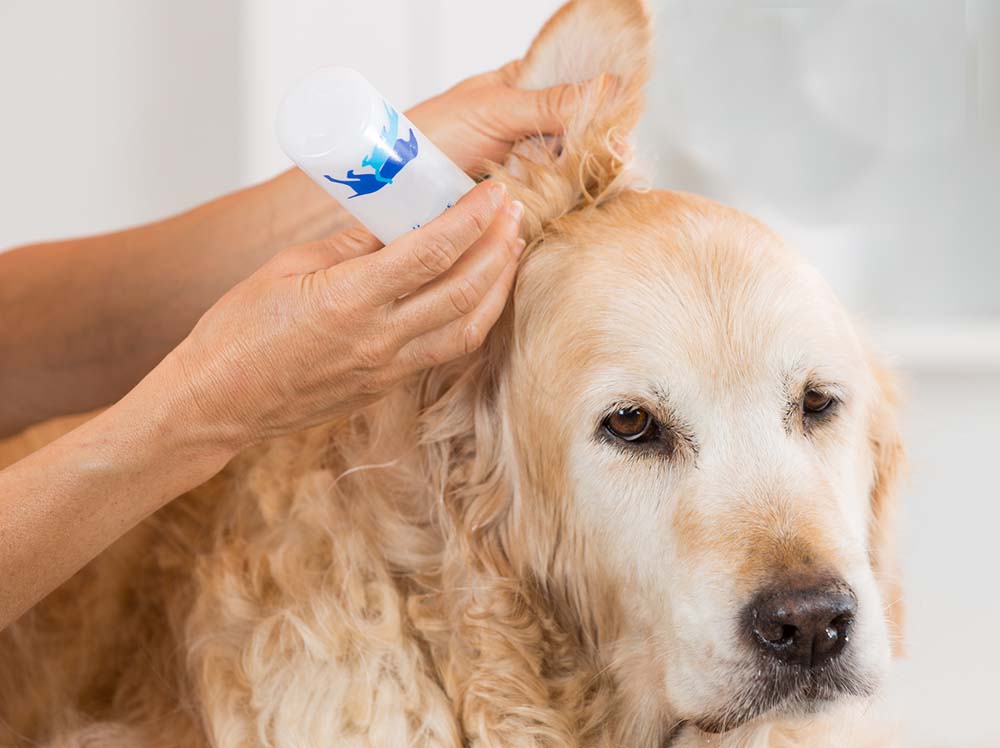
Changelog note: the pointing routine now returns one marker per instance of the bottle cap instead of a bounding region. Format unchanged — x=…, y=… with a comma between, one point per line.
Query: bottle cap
x=323, y=113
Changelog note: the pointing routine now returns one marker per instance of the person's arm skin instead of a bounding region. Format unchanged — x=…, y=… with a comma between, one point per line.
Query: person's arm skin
x=319, y=331
x=81, y=321
x=84, y=319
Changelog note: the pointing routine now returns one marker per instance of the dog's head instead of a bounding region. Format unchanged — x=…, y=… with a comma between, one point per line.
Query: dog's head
x=693, y=411
x=698, y=451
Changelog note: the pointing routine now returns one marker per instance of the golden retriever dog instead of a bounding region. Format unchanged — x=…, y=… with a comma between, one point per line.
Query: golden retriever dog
x=654, y=509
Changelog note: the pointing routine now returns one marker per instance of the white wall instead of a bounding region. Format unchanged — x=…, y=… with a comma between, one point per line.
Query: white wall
x=947, y=684
x=115, y=112
x=867, y=133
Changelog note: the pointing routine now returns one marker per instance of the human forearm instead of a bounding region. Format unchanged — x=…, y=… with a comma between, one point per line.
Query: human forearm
x=82, y=321
x=64, y=504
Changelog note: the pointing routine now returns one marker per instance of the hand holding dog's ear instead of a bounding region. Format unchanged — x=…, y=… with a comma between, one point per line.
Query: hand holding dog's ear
x=328, y=327
x=478, y=121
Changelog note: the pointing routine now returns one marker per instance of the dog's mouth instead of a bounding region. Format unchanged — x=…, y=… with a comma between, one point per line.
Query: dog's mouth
x=788, y=691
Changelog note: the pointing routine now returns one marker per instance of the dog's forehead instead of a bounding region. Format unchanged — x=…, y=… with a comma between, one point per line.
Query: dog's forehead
x=666, y=281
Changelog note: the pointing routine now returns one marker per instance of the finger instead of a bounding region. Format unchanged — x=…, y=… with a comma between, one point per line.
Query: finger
x=461, y=336
x=509, y=72
x=506, y=75
x=325, y=253
x=547, y=110
x=429, y=251
x=463, y=288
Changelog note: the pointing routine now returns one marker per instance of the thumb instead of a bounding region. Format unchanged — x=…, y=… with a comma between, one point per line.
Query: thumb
x=547, y=110
x=318, y=255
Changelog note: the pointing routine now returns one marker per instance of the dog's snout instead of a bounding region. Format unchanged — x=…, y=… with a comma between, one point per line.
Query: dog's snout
x=804, y=627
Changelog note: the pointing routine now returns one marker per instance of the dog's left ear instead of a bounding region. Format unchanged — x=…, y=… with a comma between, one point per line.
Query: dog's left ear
x=589, y=162
x=889, y=461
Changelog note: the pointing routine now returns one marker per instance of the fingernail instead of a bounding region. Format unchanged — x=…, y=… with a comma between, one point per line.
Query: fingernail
x=519, y=246
x=498, y=193
x=516, y=210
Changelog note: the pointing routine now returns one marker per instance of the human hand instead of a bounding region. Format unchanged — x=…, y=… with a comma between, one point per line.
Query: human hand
x=328, y=327
x=479, y=119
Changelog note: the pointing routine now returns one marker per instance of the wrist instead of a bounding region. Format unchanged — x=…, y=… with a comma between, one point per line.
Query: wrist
x=177, y=414
x=146, y=446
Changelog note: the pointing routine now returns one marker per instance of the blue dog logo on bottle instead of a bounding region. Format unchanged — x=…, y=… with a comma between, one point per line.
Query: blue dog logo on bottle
x=386, y=160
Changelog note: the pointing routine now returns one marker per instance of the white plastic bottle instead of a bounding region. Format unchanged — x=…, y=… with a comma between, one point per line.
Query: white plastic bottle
x=359, y=148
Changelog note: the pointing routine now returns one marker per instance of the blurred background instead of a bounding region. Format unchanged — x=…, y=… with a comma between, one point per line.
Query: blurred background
x=868, y=133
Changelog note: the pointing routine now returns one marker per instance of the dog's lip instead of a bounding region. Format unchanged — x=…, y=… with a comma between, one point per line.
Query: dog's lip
x=809, y=695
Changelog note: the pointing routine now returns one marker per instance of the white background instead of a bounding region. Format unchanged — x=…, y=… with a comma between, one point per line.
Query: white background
x=865, y=132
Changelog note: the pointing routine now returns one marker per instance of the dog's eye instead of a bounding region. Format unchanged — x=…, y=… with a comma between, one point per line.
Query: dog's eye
x=631, y=424
x=815, y=403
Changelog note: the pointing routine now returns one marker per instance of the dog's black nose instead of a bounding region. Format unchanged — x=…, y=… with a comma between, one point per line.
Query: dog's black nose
x=803, y=627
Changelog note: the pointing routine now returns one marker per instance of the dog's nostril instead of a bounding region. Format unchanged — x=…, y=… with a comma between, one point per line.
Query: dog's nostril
x=833, y=638
x=776, y=633
x=803, y=627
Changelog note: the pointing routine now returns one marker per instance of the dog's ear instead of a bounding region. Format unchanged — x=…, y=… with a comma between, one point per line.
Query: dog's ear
x=589, y=162
x=889, y=461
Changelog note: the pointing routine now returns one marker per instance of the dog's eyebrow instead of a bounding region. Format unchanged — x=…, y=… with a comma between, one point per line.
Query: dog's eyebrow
x=801, y=378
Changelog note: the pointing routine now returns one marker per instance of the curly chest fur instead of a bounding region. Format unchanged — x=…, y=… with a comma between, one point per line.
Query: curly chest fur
x=333, y=609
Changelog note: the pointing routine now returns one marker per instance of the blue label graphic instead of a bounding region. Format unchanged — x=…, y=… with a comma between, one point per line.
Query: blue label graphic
x=386, y=160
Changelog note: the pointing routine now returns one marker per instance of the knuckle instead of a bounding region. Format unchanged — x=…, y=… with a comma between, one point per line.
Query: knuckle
x=430, y=357
x=365, y=282
x=436, y=255
x=463, y=296
x=334, y=295
x=331, y=245
x=479, y=221
x=370, y=355
x=374, y=383
x=355, y=238
x=395, y=333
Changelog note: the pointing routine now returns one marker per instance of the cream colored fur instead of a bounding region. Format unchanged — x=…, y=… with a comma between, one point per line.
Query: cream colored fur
x=463, y=563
